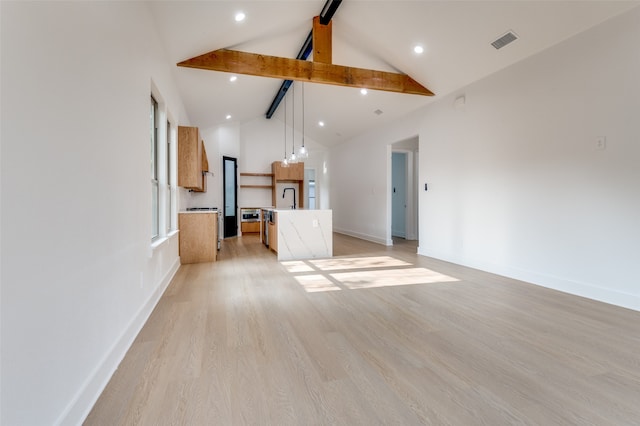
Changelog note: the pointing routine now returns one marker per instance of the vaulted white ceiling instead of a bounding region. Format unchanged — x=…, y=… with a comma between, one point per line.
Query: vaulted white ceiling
x=378, y=35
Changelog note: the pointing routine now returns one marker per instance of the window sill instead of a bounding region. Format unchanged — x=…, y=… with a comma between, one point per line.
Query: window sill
x=161, y=240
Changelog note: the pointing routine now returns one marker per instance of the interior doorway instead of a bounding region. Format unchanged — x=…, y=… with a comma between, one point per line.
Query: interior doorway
x=310, y=188
x=403, y=202
x=230, y=195
x=399, y=194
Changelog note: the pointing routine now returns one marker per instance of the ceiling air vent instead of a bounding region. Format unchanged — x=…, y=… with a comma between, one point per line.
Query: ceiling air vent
x=502, y=41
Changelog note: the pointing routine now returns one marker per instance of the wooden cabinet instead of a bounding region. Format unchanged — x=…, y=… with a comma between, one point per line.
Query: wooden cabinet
x=198, y=237
x=205, y=168
x=205, y=161
x=192, y=159
x=294, y=172
x=250, y=227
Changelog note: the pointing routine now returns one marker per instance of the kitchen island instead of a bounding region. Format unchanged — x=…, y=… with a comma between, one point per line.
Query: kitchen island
x=299, y=234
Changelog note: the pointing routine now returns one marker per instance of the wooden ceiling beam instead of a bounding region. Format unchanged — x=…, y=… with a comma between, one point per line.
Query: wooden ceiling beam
x=234, y=61
x=322, y=41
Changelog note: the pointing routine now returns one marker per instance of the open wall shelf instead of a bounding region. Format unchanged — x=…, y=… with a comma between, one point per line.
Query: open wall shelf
x=258, y=175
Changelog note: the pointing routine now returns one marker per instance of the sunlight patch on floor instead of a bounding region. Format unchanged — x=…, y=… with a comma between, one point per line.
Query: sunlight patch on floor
x=393, y=277
x=355, y=273
x=294, y=266
x=315, y=283
x=358, y=263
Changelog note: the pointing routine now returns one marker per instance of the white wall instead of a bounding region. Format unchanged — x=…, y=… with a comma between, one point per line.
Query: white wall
x=360, y=191
x=516, y=186
x=79, y=277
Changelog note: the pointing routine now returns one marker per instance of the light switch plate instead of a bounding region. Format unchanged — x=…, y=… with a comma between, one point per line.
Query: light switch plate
x=601, y=143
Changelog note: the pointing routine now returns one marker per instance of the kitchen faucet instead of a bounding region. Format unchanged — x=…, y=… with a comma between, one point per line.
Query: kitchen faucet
x=294, y=196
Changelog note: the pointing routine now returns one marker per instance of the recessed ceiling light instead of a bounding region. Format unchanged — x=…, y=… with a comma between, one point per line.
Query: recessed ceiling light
x=240, y=16
x=321, y=123
x=363, y=91
x=233, y=78
x=228, y=117
x=418, y=49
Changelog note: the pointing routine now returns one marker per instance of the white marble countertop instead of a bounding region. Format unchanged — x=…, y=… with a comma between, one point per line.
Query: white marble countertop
x=293, y=210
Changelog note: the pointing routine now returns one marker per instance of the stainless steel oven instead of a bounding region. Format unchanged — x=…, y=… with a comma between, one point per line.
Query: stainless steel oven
x=266, y=218
x=249, y=215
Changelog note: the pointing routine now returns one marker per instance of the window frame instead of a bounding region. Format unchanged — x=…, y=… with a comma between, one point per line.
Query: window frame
x=155, y=185
x=170, y=225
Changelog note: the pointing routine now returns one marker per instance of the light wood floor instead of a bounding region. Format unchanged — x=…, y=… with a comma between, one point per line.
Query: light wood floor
x=377, y=336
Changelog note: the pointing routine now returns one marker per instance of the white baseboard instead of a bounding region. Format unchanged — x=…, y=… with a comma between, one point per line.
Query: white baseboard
x=590, y=291
x=372, y=238
x=81, y=405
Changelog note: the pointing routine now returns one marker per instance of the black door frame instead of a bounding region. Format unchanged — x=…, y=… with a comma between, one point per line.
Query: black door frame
x=230, y=222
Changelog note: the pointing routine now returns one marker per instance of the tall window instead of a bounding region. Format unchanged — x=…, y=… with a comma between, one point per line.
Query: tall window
x=169, y=215
x=155, y=228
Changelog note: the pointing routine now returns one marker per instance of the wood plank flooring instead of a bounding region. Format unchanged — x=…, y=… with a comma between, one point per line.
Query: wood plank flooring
x=374, y=336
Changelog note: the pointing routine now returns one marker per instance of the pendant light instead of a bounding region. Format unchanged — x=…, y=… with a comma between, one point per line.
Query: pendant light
x=292, y=158
x=285, y=161
x=303, y=153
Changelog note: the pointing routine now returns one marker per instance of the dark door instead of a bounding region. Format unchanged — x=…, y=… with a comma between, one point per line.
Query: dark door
x=229, y=172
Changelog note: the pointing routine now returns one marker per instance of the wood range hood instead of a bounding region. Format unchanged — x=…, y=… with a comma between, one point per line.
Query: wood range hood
x=320, y=70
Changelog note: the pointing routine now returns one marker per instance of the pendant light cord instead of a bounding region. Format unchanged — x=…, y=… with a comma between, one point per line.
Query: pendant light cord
x=293, y=125
x=303, y=153
x=285, y=129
